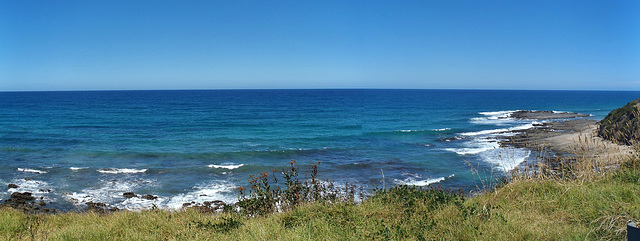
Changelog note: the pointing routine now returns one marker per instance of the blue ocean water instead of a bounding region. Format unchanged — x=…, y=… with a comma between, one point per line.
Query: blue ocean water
x=74, y=147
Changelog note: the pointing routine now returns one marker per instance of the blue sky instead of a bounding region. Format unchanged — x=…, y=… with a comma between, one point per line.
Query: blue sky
x=108, y=45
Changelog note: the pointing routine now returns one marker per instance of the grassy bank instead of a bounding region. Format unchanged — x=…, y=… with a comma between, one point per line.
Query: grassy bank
x=585, y=201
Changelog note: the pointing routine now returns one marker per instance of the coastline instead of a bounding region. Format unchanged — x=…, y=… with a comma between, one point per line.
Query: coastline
x=553, y=138
x=566, y=139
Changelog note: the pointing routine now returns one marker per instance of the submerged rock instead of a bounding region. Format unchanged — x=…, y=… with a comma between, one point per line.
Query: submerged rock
x=11, y=185
x=622, y=125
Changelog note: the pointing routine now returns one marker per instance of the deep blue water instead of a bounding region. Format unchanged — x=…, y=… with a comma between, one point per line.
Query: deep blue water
x=183, y=146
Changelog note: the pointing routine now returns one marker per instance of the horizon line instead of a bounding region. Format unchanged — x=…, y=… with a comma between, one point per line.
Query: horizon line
x=275, y=89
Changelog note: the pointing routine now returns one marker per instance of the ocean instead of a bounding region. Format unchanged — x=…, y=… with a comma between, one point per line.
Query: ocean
x=70, y=148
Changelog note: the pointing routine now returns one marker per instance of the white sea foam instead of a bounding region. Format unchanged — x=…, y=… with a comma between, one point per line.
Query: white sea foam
x=201, y=193
x=485, y=132
x=442, y=129
x=108, y=191
x=475, y=147
x=121, y=170
x=493, y=118
x=31, y=170
x=39, y=189
x=77, y=168
x=500, y=131
x=504, y=113
x=229, y=166
x=506, y=159
x=412, y=181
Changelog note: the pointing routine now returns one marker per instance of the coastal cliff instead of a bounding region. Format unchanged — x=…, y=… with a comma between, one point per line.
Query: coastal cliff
x=622, y=125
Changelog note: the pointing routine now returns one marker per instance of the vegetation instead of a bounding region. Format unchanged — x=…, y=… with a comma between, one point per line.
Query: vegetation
x=528, y=207
x=623, y=124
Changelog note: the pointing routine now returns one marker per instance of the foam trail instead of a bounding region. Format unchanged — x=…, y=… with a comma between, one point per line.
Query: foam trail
x=413, y=182
x=493, y=117
x=203, y=192
x=475, y=147
x=121, y=170
x=442, y=129
x=31, y=170
x=226, y=166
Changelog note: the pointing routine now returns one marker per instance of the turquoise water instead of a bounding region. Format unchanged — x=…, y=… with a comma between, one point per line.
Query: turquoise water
x=75, y=147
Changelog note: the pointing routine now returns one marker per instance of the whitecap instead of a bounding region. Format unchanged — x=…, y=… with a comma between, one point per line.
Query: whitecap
x=501, y=131
x=226, y=166
x=412, y=181
x=39, y=189
x=502, y=113
x=506, y=159
x=493, y=117
x=121, y=170
x=442, y=129
x=77, y=168
x=201, y=193
x=485, y=132
x=31, y=170
x=475, y=147
x=108, y=191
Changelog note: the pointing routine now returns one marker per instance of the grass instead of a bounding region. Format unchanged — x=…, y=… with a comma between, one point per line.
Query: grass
x=567, y=206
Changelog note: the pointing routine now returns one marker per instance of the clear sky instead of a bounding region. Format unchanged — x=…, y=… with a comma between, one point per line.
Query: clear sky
x=97, y=45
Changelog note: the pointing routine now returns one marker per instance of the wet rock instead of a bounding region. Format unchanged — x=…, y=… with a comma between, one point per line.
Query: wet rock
x=100, y=208
x=11, y=185
x=129, y=194
x=24, y=201
x=21, y=197
x=188, y=204
x=149, y=197
x=544, y=115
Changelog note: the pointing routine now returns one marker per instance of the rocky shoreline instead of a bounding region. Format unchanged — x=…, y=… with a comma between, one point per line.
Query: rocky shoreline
x=26, y=202
x=562, y=138
x=553, y=141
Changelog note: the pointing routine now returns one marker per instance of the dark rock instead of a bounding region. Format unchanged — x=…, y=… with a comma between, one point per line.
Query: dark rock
x=11, y=185
x=622, y=125
x=208, y=206
x=22, y=197
x=100, y=208
x=129, y=194
x=149, y=197
x=25, y=202
x=544, y=115
x=42, y=203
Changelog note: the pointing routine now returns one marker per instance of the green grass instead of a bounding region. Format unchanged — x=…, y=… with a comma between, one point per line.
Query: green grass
x=523, y=209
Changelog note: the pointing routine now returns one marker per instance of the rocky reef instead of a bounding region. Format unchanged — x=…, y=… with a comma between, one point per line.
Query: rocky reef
x=622, y=125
